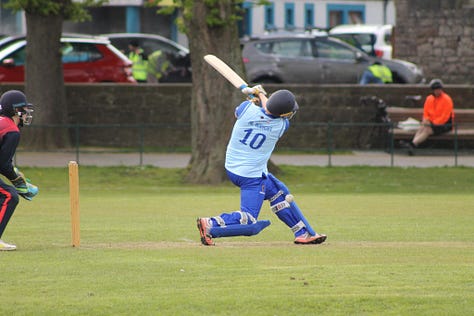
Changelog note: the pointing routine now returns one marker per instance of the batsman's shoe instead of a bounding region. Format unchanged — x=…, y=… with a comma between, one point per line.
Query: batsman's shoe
x=6, y=247
x=203, y=224
x=307, y=239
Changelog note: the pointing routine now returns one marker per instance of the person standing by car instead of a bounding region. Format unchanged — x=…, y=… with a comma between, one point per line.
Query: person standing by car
x=438, y=116
x=376, y=73
x=139, y=60
x=158, y=66
x=15, y=112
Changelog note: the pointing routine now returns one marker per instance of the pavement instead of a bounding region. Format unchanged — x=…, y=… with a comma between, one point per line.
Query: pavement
x=180, y=160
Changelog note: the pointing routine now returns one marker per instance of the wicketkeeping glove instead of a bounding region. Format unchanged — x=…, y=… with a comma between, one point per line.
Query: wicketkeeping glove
x=32, y=192
x=23, y=186
x=20, y=184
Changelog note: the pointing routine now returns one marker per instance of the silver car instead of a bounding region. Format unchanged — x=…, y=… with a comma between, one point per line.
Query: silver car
x=306, y=58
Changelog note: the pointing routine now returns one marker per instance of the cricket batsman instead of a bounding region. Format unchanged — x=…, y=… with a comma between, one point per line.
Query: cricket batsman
x=253, y=139
x=15, y=112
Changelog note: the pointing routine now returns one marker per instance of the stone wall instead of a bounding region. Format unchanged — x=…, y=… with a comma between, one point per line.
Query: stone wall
x=158, y=116
x=437, y=35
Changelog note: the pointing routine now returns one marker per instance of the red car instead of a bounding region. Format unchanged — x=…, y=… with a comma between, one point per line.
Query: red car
x=84, y=60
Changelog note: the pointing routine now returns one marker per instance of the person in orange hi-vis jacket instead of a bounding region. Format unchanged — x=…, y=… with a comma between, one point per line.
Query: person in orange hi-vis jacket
x=438, y=116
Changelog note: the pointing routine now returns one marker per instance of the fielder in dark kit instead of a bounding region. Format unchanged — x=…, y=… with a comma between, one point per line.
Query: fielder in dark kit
x=15, y=112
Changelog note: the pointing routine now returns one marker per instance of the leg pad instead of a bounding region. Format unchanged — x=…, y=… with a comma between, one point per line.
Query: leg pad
x=238, y=230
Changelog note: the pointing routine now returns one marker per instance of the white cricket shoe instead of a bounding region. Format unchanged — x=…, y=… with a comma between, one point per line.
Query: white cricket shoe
x=6, y=247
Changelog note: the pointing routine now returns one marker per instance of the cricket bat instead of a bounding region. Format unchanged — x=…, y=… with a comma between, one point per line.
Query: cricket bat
x=226, y=71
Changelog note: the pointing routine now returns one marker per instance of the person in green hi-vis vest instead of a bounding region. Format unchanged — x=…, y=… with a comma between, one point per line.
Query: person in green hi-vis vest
x=139, y=60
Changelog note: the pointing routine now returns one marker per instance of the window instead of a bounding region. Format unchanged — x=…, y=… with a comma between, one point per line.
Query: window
x=335, y=18
x=18, y=56
x=388, y=37
x=150, y=45
x=326, y=49
x=245, y=25
x=345, y=14
x=270, y=16
x=286, y=48
x=289, y=16
x=309, y=15
x=355, y=17
x=79, y=52
x=265, y=48
x=363, y=41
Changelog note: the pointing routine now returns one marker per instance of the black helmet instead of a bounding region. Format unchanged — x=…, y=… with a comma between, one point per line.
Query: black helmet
x=436, y=84
x=282, y=103
x=14, y=102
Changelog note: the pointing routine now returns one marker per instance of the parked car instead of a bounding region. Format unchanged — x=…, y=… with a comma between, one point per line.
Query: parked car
x=176, y=54
x=306, y=58
x=375, y=40
x=10, y=39
x=84, y=60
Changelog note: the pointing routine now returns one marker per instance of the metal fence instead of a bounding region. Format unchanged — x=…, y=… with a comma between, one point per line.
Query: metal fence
x=328, y=142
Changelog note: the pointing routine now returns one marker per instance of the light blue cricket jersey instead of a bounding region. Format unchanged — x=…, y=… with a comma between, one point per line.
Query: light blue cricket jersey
x=253, y=139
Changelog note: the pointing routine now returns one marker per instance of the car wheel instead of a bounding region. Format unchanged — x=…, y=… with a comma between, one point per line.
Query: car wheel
x=397, y=79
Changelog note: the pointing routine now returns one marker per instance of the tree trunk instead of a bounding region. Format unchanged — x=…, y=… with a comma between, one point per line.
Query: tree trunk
x=213, y=98
x=44, y=83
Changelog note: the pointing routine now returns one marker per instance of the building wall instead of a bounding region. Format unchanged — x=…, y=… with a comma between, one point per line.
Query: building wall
x=438, y=35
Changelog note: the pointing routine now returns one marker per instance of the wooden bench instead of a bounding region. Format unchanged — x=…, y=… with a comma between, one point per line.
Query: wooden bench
x=463, y=123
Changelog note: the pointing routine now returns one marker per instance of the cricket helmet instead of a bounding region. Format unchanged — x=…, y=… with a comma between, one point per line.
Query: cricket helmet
x=282, y=103
x=13, y=103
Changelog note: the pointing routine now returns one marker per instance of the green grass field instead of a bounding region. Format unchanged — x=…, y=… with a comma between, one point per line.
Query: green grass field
x=400, y=242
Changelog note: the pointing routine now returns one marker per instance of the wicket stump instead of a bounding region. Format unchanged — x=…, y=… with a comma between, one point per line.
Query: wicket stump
x=74, y=201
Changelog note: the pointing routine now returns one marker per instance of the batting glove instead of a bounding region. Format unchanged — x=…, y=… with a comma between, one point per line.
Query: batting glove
x=254, y=90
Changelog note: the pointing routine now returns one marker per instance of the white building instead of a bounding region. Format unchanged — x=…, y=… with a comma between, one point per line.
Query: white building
x=302, y=14
x=133, y=16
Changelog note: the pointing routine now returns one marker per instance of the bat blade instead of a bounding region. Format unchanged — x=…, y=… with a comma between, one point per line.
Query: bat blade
x=225, y=71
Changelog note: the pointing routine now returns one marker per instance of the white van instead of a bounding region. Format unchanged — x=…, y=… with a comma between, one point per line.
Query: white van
x=375, y=40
